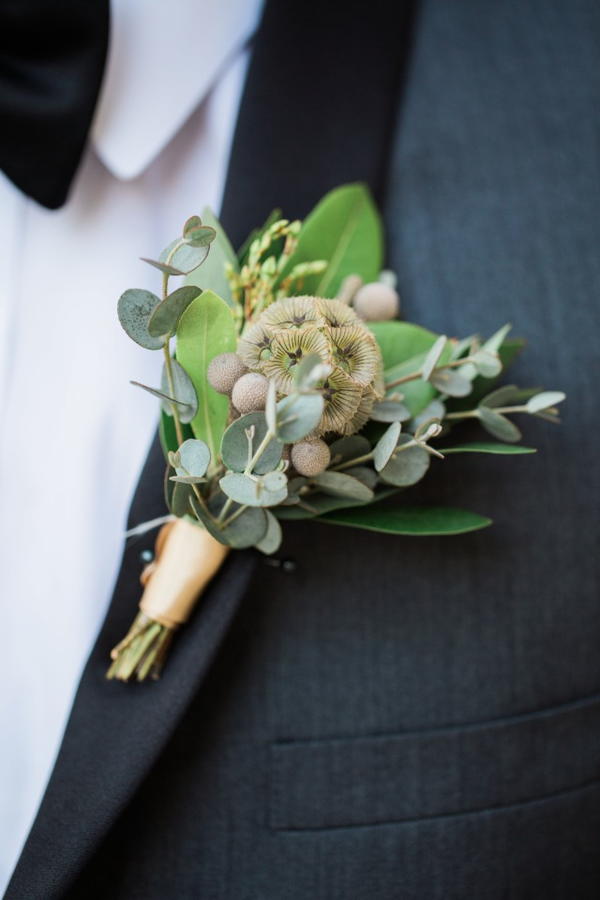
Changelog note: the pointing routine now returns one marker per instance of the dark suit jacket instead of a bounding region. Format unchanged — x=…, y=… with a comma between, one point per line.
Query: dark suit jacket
x=386, y=717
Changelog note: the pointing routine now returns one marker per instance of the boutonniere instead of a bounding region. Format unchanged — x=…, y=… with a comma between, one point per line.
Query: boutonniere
x=291, y=390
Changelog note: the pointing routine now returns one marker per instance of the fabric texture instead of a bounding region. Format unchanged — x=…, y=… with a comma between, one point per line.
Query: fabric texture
x=383, y=717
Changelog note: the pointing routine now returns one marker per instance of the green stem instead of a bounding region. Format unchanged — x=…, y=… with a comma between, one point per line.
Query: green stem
x=353, y=462
x=171, y=383
x=261, y=449
x=474, y=413
x=233, y=516
x=413, y=376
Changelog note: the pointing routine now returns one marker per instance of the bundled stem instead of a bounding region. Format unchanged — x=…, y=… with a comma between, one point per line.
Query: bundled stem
x=142, y=651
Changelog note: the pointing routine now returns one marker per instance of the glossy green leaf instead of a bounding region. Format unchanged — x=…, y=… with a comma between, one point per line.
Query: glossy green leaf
x=134, y=309
x=206, y=329
x=401, y=341
x=316, y=505
x=165, y=317
x=485, y=447
x=212, y=274
x=344, y=229
x=236, y=450
x=420, y=521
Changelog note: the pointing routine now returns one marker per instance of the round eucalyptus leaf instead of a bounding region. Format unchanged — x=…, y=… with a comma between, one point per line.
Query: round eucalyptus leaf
x=247, y=529
x=310, y=370
x=448, y=382
x=406, y=467
x=433, y=357
x=488, y=364
x=364, y=474
x=184, y=393
x=241, y=488
x=545, y=400
x=134, y=310
x=434, y=410
x=339, y=484
x=390, y=411
x=274, y=481
x=165, y=317
x=194, y=458
x=183, y=257
x=180, y=500
x=297, y=416
x=502, y=396
x=197, y=234
x=385, y=446
x=237, y=449
x=498, y=425
x=271, y=540
x=350, y=447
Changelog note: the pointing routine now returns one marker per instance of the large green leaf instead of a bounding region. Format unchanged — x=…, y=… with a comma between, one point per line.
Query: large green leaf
x=401, y=341
x=419, y=521
x=344, y=229
x=211, y=275
x=206, y=329
x=488, y=447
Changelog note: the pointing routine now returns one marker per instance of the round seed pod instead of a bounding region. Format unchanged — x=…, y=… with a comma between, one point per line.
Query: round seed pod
x=311, y=457
x=376, y=302
x=224, y=370
x=250, y=392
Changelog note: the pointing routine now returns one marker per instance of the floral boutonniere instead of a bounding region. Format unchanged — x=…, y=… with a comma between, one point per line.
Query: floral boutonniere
x=295, y=392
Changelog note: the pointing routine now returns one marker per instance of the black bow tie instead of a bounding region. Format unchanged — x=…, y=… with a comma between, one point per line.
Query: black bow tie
x=51, y=62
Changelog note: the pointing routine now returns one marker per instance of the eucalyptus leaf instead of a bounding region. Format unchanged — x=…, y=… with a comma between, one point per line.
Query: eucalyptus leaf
x=364, y=474
x=212, y=274
x=419, y=521
x=487, y=363
x=134, y=309
x=310, y=371
x=241, y=488
x=493, y=344
x=340, y=485
x=484, y=447
x=344, y=229
x=498, y=425
x=506, y=395
x=350, y=447
x=188, y=479
x=386, y=446
x=406, y=467
x=235, y=448
x=247, y=529
x=508, y=352
x=165, y=317
x=545, y=400
x=417, y=393
x=435, y=410
x=196, y=233
x=194, y=458
x=451, y=383
x=183, y=257
x=180, y=500
x=433, y=357
x=271, y=541
x=161, y=266
x=205, y=330
x=184, y=393
x=390, y=411
x=165, y=398
x=297, y=416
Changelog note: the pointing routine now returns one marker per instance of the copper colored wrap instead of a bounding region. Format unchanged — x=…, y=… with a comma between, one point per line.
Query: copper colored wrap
x=187, y=557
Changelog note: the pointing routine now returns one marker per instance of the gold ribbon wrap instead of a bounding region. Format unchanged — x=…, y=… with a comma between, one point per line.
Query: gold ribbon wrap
x=186, y=558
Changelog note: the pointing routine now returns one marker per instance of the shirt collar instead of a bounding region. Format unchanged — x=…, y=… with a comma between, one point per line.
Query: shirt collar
x=163, y=59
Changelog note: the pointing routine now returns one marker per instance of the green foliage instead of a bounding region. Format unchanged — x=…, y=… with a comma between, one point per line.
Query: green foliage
x=192, y=459
x=206, y=329
x=241, y=441
x=297, y=416
x=164, y=319
x=212, y=274
x=406, y=466
x=344, y=229
x=418, y=521
x=247, y=529
x=339, y=484
x=255, y=491
x=134, y=309
x=485, y=447
x=271, y=541
x=184, y=393
x=385, y=446
x=498, y=425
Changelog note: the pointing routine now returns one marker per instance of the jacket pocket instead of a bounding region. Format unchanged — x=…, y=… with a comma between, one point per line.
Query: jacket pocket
x=414, y=775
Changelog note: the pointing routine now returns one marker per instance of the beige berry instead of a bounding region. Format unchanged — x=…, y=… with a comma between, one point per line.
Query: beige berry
x=224, y=370
x=250, y=392
x=310, y=458
x=376, y=302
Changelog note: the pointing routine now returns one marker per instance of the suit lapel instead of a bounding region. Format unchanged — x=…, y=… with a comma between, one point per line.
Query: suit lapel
x=304, y=126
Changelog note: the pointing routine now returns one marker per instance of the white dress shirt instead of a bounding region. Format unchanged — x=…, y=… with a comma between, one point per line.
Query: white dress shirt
x=74, y=433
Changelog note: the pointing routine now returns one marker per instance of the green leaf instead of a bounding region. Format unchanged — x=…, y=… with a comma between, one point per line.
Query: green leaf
x=484, y=447
x=344, y=229
x=184, y=258
x=350, y=447
x=340, y=485
x=390, y=411
x=488, y=364
x=498, y=425
x=206, y=329
x=271, y=541
x=420, y=521
x=168, y=435
x=235, y=448
x=386, y=446
x=253, y=491
x=406, y=467
x=433, y=357
x=212, y=274
x=508, y=352
x=401, y=341
x=194, y=458
x=446, y=381
x=493, y=344
x=364, y=474
x=545, y=400
x=245, y=531
x=180, y=500
x=297, y=415
x=309, y=371
x=134, y=309
x=184, y=393
x=196, y=233
x=319, y=504
x=165, y=317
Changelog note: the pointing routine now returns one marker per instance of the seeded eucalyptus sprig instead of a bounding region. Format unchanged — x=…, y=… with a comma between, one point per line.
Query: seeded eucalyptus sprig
x=294, y=392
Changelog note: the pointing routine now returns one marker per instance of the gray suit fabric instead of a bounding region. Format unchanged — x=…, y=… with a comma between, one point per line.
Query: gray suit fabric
x=420, y=719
